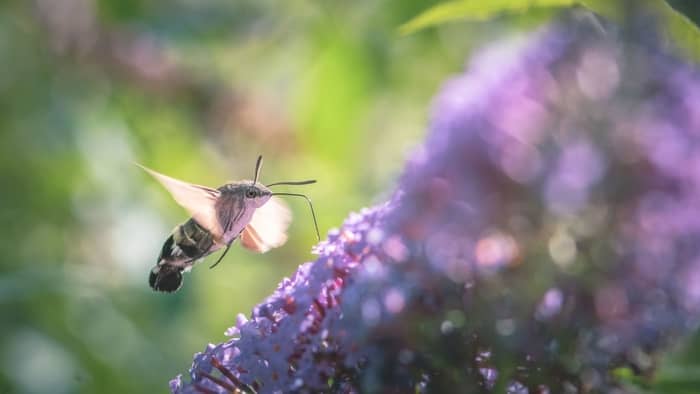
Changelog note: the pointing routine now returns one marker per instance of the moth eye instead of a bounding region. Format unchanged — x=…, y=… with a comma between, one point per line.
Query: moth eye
x=250, y=193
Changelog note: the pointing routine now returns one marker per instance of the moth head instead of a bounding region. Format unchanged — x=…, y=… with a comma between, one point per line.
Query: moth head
x=256, y=193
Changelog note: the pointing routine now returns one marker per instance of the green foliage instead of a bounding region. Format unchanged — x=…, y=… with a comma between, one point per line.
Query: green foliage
x=681, y=30
x=475, y=10
x=677, y=27
x=335, y=91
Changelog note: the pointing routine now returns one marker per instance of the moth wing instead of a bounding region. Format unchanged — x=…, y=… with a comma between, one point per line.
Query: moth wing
x=268, y=227
x=199, y=201
x=251, y=240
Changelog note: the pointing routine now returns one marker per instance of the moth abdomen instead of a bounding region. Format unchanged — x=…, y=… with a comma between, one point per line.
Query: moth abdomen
x=165, y=277
x=186, y=244
x=187, y=241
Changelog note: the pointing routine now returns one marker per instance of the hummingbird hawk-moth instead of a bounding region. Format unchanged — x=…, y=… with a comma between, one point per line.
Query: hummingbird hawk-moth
x=245, y=210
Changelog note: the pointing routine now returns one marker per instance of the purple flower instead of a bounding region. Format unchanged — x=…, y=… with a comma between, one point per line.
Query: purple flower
x=547, y=232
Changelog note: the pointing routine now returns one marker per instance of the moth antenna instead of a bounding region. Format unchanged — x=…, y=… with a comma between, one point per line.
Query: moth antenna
x=258, y=165
x=313, y=214
x=307, y=182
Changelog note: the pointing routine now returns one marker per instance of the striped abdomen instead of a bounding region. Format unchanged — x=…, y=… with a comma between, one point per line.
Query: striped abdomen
x=187, y=243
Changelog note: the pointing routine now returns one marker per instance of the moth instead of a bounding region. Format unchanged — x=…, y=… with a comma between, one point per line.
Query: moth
x=245, y=210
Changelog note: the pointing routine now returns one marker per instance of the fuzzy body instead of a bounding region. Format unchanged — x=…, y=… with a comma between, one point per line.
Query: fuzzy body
x=190, y=242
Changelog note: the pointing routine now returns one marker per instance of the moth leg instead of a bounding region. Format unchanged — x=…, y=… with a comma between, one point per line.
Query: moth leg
x=228, y=246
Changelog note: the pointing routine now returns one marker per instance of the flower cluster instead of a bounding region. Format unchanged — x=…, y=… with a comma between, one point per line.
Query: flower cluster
x=295, y=338
x=547, y=232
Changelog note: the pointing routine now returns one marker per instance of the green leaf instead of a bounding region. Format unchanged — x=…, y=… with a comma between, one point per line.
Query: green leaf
x=675, y=26
x=680, y=29
x=475, y=10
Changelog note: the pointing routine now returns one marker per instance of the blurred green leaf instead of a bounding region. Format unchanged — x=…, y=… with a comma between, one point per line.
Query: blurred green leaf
x=676, y=26
x=475, y=10
x=680, y=29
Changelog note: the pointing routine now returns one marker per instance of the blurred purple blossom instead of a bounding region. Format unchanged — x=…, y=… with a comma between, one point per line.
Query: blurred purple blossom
x=546, y=233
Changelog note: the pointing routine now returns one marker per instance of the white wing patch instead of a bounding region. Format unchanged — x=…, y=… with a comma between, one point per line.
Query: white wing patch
x=198, y=200
x=268, y=227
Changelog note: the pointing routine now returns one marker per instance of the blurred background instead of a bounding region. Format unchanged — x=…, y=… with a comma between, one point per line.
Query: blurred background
x=195, y=89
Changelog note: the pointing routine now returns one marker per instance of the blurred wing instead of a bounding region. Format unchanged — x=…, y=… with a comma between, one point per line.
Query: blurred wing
x=199, y=201
x=268, y=227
